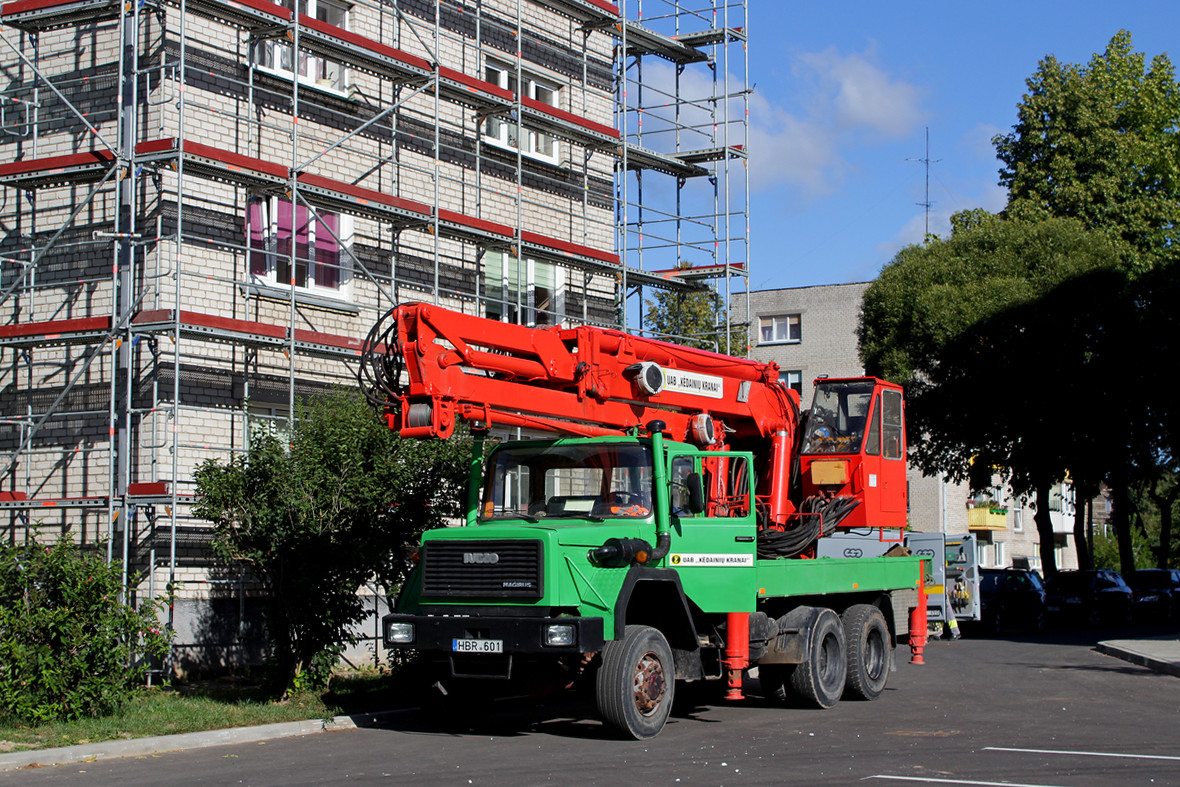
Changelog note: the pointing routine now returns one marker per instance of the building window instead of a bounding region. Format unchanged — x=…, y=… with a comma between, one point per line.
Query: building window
x=502, y=131
x=781, y=328
x=275, y=55
x=793, y=379
x=268, y=420
x=322, y=247
x=529, y=293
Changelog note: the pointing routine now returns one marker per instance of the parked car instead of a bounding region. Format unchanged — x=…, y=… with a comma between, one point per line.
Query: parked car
x=1088, y=597
x=1011, y=598
x=1157, y=593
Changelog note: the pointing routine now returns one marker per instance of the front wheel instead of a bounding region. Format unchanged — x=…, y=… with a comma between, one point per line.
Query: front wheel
x=636, y=682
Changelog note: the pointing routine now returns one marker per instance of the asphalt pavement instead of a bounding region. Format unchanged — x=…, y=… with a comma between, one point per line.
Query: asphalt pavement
x=1161, y=654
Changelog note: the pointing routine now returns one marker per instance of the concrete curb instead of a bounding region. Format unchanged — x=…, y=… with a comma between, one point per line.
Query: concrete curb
x=1159, y=656
x=90, y=752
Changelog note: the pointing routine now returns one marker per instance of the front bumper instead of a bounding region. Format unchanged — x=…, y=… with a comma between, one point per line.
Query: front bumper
x=518, y=634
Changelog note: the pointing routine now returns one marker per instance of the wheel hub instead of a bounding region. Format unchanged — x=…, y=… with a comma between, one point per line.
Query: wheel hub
x=649, y=684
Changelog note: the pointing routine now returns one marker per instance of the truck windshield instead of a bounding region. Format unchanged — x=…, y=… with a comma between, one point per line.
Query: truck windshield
x=837, y=421
x=587, y=481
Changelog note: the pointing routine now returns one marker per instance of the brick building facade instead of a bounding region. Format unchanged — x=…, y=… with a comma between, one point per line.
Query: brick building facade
x=208, y=203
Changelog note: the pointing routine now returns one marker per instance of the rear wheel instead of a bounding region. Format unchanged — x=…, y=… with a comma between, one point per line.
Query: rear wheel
x=636, y=682
x=869, y=654
x=818, y=681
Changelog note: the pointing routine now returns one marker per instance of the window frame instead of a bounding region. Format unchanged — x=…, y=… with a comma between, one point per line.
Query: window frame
x=274, y=50
x=772, y=321
x=265, y=242
x=505, y=78
x=500, y=300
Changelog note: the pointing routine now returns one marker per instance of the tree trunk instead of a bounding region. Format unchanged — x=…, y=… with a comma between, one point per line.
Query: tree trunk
x=1081, y=497
x=1121, y=520
x=1165, y=552
x=1045, y=530
x=1164, y=503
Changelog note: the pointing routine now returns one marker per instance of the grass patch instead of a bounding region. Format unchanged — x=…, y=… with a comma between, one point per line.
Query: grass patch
x=210, y=705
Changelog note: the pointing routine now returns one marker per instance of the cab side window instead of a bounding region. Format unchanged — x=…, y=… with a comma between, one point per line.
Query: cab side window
x=682, y=467
x=727, y=486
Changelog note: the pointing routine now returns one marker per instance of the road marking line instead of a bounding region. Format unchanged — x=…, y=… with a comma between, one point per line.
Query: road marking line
x=1086, y=753
x=933, y=780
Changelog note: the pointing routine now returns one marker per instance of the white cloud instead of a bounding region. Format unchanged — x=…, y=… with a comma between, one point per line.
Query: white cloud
x=785, y=149
x=845, y=102
x=861, y=95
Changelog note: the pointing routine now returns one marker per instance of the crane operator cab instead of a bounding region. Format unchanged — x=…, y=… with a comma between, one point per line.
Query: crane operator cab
x=854, y=446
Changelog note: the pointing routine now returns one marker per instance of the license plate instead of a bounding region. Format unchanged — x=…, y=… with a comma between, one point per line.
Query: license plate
x=477, y=645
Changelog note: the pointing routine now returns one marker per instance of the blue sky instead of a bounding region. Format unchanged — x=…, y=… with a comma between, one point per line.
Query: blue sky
x=844, y=93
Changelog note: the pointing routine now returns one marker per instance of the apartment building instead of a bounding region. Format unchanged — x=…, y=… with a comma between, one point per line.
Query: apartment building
x=206, y=205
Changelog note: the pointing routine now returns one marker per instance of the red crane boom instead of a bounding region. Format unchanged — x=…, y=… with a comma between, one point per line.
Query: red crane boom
x=582, y=381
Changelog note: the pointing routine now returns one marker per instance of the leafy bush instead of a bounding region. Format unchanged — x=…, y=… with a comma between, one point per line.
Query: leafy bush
x=68, y=647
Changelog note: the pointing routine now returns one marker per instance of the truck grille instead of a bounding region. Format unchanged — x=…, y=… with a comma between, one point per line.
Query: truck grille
x=483, y=569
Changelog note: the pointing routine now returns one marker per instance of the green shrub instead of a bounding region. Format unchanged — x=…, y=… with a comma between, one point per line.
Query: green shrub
x=68, y=647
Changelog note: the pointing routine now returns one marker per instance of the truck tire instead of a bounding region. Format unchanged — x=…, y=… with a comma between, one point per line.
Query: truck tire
x=818, y=681
x=636, y=682
x=868, y=652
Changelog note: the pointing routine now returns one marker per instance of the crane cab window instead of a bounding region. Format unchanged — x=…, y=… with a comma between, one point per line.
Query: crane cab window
x=838, y=417
x=892, y=426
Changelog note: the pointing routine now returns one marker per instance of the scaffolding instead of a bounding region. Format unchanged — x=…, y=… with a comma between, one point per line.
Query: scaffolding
x=206, y=204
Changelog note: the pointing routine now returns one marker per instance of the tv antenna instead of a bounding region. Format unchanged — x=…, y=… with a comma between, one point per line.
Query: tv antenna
x=927, y=204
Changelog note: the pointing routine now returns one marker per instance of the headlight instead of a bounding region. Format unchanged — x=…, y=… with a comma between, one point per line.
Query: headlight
x=559, y=635
x=399, y=633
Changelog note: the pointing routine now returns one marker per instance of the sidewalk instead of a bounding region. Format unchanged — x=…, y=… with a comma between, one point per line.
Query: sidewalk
x=1161, y=655
x=192, y=740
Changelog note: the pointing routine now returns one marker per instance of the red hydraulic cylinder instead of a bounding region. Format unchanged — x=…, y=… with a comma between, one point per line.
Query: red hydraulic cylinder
x=918, y=622
x=780, y=504
x=737, y=651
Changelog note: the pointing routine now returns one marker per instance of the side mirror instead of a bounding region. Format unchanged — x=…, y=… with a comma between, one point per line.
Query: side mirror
x=696, y=493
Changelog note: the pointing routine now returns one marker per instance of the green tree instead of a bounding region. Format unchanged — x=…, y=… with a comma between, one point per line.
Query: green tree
x=340, y=505
x=1100, y=143
x=694, y=318
x=997, y=333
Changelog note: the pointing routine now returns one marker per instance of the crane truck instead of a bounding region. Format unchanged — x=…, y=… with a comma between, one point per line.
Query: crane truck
x=665, y=528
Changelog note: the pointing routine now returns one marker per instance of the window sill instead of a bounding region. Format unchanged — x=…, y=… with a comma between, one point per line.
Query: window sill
x=783, y=341
x=283, y=294
x=498, y=144
x=306, y=83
